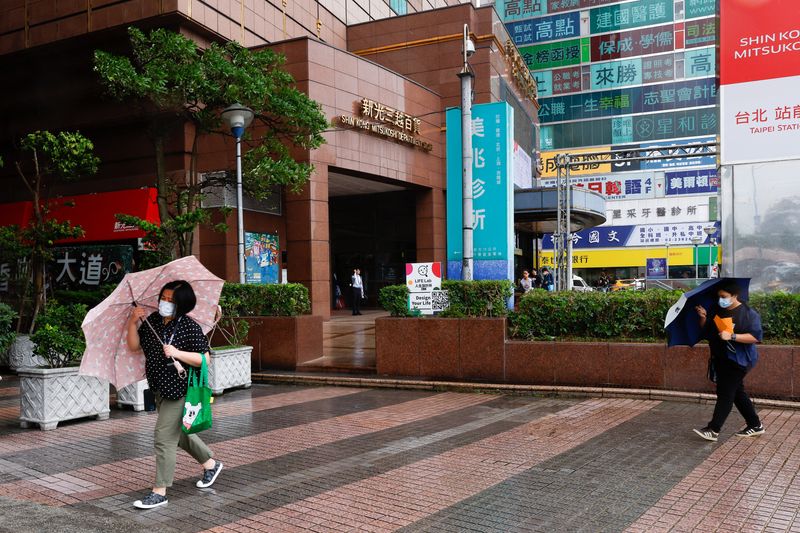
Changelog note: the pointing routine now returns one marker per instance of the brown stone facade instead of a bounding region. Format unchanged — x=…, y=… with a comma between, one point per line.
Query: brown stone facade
x=477, y=350
x=46, y=51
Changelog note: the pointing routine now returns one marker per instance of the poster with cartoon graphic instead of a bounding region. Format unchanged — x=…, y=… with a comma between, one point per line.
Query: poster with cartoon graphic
x=262, y=258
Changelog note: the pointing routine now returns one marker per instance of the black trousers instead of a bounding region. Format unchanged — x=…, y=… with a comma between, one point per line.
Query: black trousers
x=356, y=300
x=730, y=392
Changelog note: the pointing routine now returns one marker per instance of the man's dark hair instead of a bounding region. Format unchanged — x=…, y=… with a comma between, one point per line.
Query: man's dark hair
x=182, y=296
x=730, y=286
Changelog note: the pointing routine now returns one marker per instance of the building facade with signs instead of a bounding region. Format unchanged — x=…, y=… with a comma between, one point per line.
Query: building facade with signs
x=635, y=74
x=376, y=198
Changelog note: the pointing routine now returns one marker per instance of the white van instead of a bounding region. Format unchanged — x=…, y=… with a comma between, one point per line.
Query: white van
x=580, y=285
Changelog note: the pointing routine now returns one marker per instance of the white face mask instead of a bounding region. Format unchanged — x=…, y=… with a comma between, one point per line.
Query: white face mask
x=165, y=308
x=725, y=302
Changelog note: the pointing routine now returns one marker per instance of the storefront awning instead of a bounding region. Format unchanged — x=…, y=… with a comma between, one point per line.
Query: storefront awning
x=95, y=213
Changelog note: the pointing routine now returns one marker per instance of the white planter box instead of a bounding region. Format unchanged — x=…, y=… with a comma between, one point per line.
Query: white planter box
x=51, y=395
x=133, y=395
x=229, y=368
x=20, y=355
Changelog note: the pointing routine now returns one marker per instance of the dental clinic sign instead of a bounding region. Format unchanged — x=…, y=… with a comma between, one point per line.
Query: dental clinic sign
x=492, y=191
x=759, y=77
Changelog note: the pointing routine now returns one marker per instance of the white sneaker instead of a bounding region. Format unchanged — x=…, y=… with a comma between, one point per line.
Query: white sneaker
x=150, y=501
x=210, y=476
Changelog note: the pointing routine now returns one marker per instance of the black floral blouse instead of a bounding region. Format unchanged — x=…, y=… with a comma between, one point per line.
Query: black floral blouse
x=185, y=335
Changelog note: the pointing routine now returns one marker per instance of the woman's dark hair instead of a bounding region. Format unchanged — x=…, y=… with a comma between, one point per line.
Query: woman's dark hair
x=730, y=286
x=182, y=296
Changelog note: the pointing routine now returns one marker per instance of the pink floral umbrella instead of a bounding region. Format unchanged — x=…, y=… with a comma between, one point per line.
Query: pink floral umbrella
x=107, y=355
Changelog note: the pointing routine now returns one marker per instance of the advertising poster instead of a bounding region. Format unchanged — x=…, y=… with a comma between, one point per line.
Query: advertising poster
x=492, y=191
x=262, y=258
x=759, y=76
x=656, y=268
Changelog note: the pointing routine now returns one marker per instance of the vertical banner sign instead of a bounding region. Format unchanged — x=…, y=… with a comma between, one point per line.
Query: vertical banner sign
x=759, y=77
x=492, y=191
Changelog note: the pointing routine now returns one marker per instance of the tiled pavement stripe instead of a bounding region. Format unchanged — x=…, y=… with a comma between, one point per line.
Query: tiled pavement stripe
x=744, y=485
x=103, y=449
x=5, y=392
x=602, y=485
x=136, y=474
x=261, y=486
x=28, y=440
x=402, y=496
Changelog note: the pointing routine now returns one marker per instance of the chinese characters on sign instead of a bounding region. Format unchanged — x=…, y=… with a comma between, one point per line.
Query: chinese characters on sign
x=545, y=29
x=89, y=266
x=520, y=72
x=620, y=187
x=409, y=126
x=382, y=113
x=701, y=32
x=692, y=181
x=631, y=15
x=551, y=55
x=632, y=43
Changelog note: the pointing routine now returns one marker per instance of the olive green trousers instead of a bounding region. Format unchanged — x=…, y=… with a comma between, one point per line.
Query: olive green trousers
x=168, y=435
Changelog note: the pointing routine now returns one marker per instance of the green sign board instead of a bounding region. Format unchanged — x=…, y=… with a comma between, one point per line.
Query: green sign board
x=700, y=8
x=631, y=15
x=552, y=55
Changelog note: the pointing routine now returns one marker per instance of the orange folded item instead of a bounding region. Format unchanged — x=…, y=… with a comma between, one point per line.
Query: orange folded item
x=724, y=324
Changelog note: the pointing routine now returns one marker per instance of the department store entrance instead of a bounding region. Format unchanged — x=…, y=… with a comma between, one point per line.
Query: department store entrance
x=373, y=228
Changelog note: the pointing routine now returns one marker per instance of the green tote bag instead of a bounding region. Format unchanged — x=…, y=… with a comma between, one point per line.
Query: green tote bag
x=197, y=409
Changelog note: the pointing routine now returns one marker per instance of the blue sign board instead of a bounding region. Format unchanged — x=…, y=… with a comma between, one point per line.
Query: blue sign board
x=661, y=97
x=616, y=73
x=699, y=63
x=692, y=181
x=675, y=233
x=599, y=237
x=543, y=29
x=661, y=164
x=492, y=191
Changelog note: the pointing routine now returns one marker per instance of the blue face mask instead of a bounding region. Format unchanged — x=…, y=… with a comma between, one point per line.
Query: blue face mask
x=165, y=308
x=725, y=302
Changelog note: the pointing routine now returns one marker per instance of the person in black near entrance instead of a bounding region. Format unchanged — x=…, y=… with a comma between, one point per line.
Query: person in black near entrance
x=171, y=338
x=733, y=355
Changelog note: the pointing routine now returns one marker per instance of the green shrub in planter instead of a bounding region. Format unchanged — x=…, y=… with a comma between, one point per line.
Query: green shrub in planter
x=8, y=321
x=467, y=299
x=58, y=337
x=629, y=315
x=239, y=300
x=632, y=315
x=394, y=298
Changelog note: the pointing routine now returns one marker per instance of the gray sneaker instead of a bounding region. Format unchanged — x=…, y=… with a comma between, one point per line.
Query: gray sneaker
x=210, y=476
x=150, y=501
x=707, y=434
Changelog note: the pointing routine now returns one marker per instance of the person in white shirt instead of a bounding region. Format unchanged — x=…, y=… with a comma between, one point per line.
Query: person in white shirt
x=358, y=290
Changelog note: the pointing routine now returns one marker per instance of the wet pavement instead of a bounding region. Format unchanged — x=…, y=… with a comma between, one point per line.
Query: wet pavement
x=353, y=459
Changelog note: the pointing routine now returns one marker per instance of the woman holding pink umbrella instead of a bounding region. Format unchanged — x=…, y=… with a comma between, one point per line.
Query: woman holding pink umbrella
x=169, y=339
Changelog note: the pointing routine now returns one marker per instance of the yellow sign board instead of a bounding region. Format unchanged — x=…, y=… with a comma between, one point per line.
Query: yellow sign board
x=593, y=165
x=623, y=257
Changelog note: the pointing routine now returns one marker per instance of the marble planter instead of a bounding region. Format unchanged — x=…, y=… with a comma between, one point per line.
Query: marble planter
x=51, y=395
x=20, y=355
x=229, y=368
x=133, y=395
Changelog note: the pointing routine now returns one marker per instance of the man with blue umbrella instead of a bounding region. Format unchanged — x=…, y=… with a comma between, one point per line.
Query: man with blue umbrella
x=733, y=329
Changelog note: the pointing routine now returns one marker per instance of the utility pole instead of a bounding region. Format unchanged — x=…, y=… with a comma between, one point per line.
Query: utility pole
x=468, y=48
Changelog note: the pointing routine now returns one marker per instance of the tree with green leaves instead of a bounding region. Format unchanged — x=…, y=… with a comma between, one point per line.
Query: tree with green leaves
x=46, y=158
x=172, y=82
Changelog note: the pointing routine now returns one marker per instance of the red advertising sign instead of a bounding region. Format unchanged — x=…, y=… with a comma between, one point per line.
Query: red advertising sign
x=566, y=80
x=633, y=43
x=759, y=40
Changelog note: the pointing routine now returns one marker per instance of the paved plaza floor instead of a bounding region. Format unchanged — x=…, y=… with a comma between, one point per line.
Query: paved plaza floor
x=330, y=459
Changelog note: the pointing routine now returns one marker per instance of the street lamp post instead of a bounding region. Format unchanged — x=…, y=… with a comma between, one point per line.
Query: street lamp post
x=667, y=261
x=468, y=48
x=710, y=230
x=696, y=241
x=238, y=117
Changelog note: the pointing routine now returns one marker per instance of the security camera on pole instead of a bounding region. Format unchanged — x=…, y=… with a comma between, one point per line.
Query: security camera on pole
x=468, y=48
